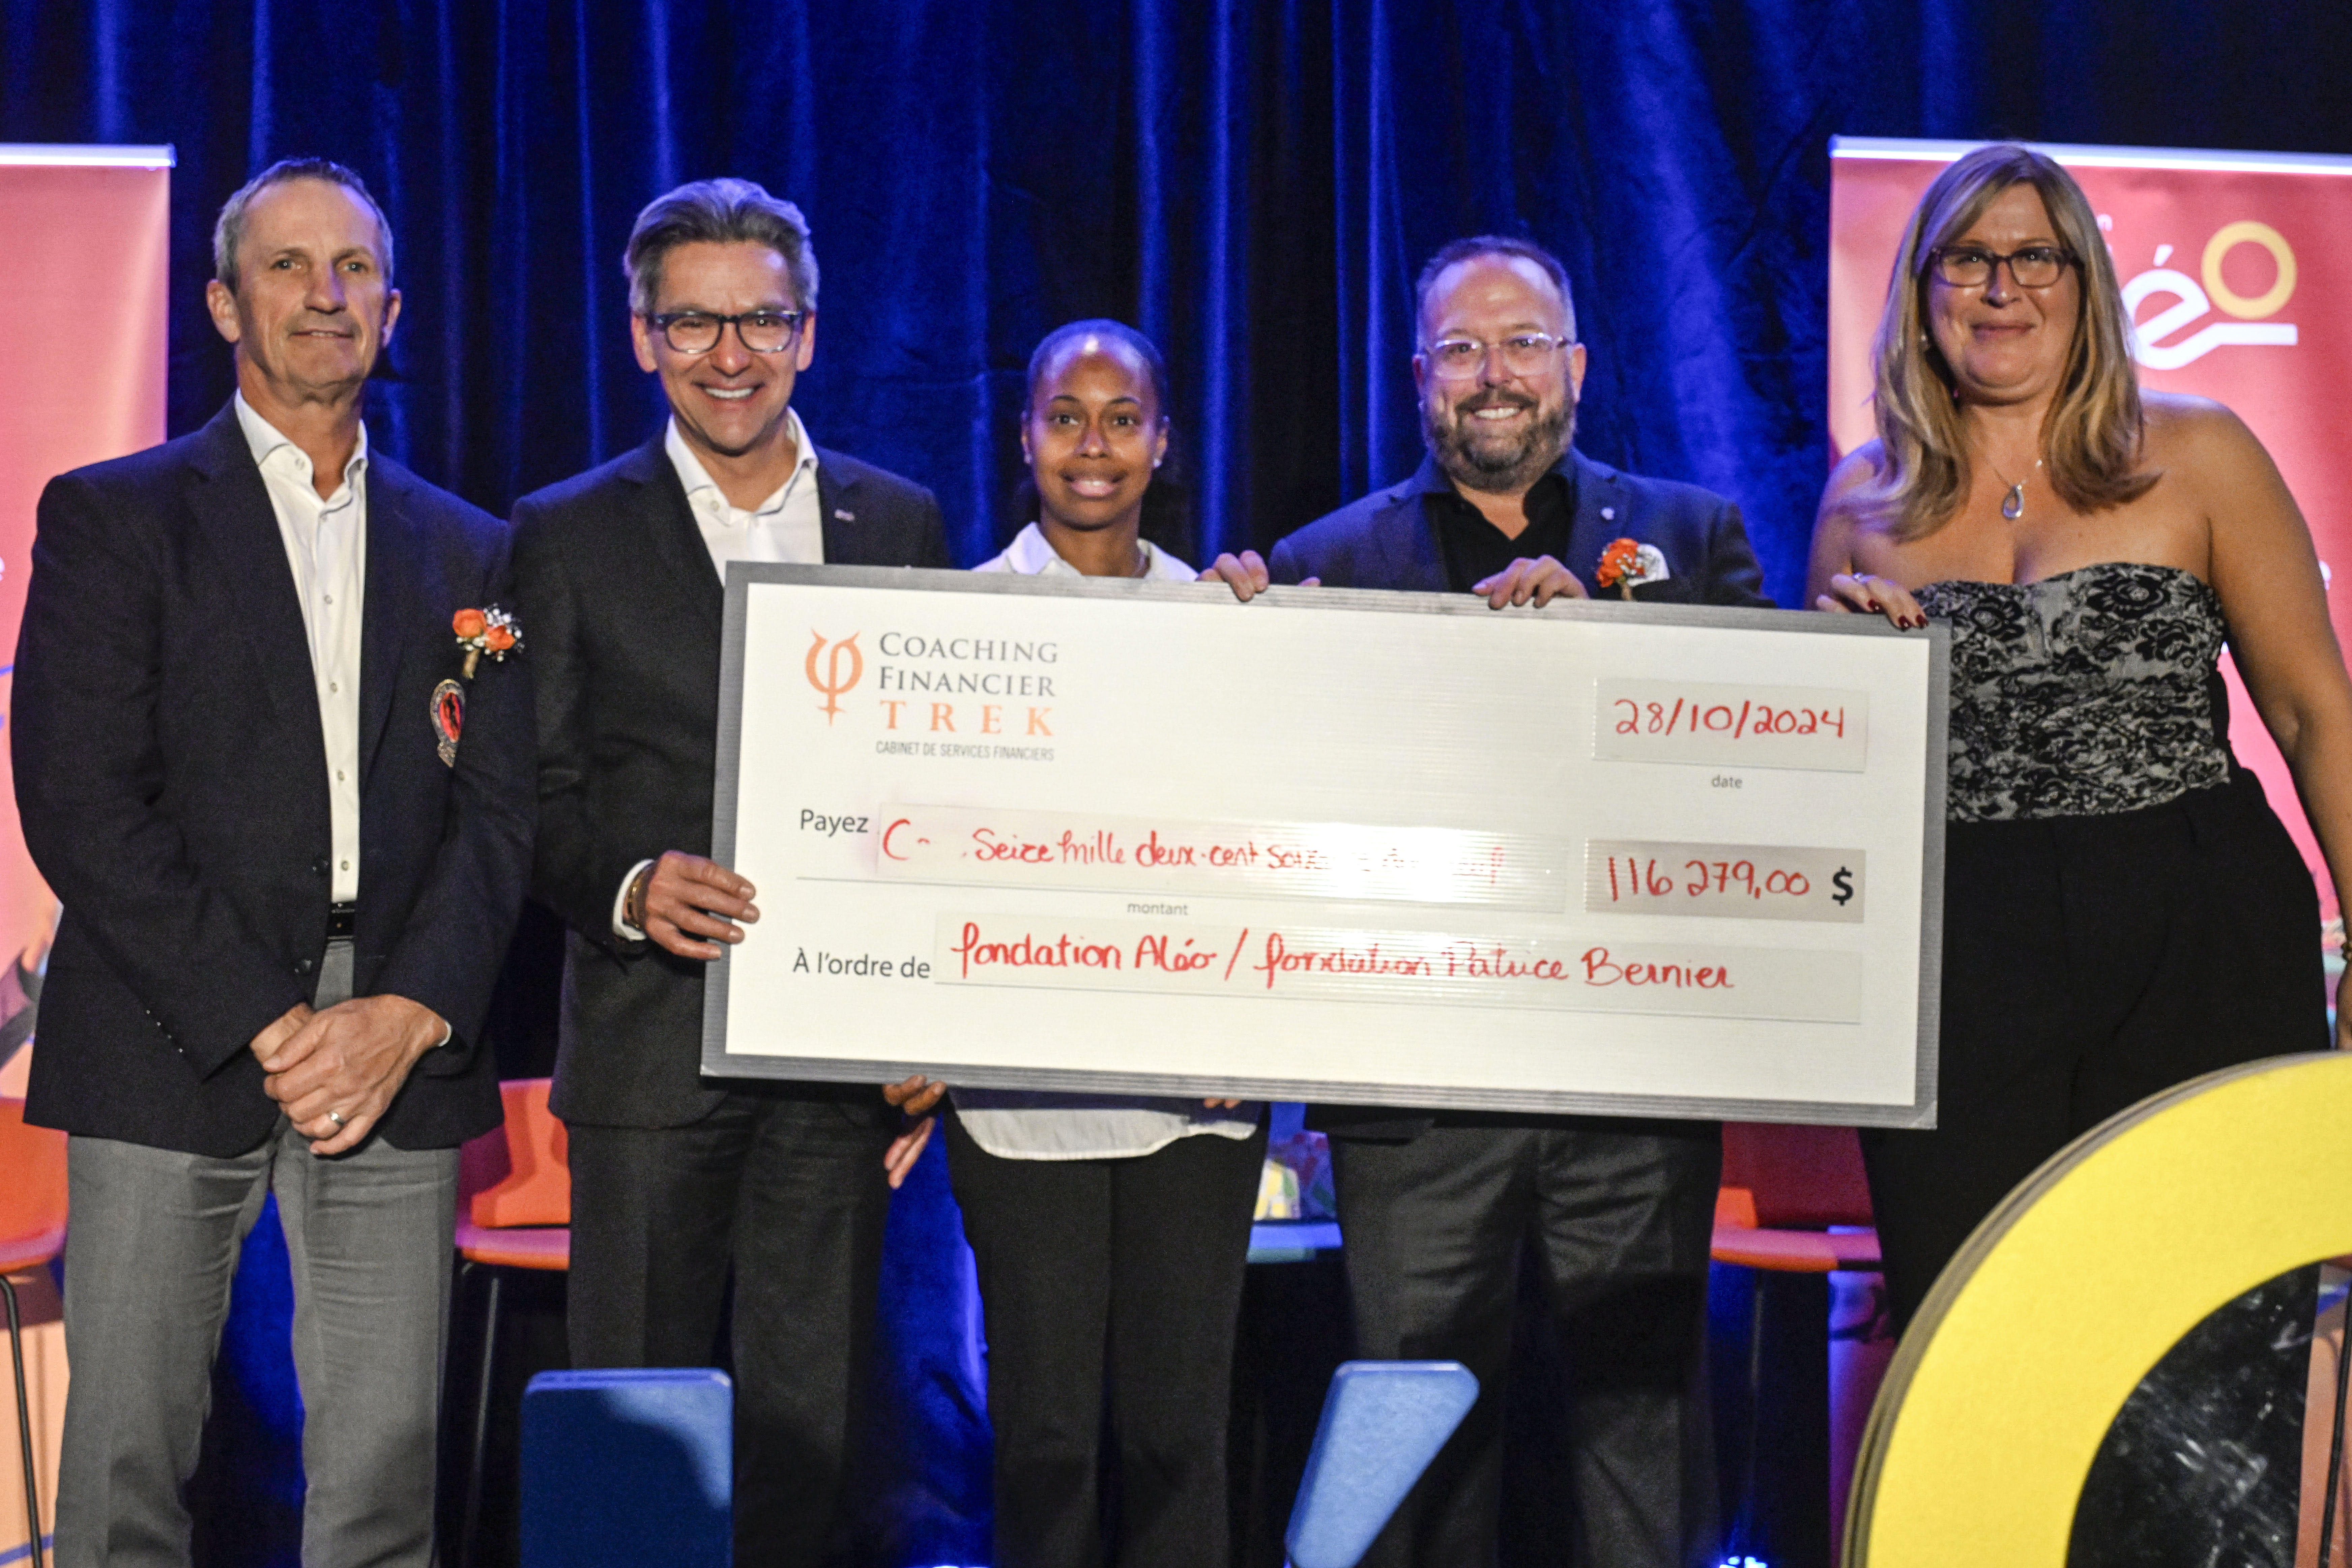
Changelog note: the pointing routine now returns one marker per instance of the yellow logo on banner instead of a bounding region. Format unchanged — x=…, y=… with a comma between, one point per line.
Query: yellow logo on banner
x=2194, y=299
x=835, y=680
x=2246, y=231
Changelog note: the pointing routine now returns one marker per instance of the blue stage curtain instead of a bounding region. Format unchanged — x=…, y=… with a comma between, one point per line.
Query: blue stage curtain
x=1254, y=182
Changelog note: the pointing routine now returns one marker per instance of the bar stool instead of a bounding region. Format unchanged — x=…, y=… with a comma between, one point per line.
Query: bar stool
x=31, y=1233
x=514, y=1211
x=1794, y=1204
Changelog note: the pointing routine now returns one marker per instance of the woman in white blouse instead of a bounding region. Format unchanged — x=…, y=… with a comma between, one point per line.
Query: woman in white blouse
x=1111, y=1232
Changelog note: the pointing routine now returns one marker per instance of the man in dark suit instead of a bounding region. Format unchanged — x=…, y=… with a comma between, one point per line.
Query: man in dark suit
x=675, y=1179
x=1437, y=1207
x=291, y=822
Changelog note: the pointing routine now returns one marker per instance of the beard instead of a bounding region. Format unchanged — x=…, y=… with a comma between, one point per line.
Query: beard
x=1497, y=465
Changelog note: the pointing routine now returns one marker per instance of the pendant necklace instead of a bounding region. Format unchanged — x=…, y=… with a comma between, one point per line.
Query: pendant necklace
x=2012, y=505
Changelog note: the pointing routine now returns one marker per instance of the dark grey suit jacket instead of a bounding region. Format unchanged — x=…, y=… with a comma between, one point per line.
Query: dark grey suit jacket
x=623, y=613
x=172, y=777
x=1384, y=540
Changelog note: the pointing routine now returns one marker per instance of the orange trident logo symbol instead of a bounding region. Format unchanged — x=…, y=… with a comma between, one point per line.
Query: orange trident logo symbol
x=834, y=681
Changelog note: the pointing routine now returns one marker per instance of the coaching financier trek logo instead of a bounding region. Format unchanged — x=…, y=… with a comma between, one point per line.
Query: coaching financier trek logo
x=841, y=669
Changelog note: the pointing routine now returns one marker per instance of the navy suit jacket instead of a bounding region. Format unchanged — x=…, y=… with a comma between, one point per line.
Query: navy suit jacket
x=171, y=779
x=1384, y=540
x=626, y=615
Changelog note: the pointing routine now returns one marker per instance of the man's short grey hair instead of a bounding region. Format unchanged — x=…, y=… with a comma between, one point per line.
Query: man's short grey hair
x=1501, y=245
x=717, y=212
x=229, y=229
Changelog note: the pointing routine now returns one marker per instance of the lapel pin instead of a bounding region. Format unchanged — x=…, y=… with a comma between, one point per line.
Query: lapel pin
x=448, y=721
x=845, y=514
x=1607, y=514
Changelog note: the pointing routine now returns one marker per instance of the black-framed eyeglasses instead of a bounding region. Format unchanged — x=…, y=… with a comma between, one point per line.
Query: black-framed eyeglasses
x=1972, y=266
x=698, y=331
x=1524, y=354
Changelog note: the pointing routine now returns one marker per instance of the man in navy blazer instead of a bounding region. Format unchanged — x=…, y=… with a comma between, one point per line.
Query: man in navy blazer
x=1386, y=540
x=291, y=822
x=1437, y=1207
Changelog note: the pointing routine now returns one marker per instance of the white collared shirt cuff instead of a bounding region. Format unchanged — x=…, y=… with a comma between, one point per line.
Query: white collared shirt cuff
x=622, y=928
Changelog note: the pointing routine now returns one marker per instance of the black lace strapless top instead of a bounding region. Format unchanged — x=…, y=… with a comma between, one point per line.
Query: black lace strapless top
x=2090, y=692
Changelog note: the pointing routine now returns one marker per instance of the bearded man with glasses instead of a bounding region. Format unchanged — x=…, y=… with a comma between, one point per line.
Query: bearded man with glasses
x=677, y=1181
x=1437, y=1207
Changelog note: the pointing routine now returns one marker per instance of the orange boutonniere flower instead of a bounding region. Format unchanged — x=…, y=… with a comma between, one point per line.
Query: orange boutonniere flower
x=1621, y=566
x=1626, y=565
x=490, y=630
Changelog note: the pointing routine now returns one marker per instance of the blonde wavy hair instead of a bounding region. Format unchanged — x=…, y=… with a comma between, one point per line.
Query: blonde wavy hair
x=2092, y=437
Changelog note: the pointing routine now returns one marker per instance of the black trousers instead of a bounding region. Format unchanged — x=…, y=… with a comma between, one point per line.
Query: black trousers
x=789, y=1194
x=1131, y=1266
x=1619, y=1215
x=2089, y=963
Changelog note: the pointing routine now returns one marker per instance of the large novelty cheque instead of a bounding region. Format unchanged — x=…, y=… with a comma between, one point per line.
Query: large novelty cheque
x=1335, y=846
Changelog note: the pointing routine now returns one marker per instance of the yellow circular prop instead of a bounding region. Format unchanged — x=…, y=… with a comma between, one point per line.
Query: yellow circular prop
x=2246, y=231
x=2068, y=1294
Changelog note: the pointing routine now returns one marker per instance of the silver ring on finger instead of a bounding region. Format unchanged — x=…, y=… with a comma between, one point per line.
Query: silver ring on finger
x=336, y=1117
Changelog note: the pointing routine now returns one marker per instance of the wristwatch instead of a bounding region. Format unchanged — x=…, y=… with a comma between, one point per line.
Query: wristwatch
x=632, y=906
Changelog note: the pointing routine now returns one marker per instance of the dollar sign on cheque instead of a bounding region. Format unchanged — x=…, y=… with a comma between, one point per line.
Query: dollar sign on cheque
x=1845, y=885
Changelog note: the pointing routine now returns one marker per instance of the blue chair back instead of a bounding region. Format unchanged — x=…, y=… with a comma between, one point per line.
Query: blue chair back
x=630, y=1466
x=1383, y=1422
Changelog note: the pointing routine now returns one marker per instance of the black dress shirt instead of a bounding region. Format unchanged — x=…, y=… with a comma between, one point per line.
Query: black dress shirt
x=1475, y=550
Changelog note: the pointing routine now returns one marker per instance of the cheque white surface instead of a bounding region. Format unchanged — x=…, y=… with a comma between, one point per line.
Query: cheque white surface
x=1348, y=847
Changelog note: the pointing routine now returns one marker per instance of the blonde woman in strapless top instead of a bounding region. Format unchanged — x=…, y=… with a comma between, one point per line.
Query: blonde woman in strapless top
x=2123, y=911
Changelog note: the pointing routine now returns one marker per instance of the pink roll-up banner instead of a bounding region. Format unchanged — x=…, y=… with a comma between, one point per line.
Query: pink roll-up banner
x=84, y=309
x=2236, y=271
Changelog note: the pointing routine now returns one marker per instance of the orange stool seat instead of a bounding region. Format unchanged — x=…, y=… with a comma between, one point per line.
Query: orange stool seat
x=1796, y=1251
x=533, y=1246
x=32, y=1232
x=31, y=1248
x=33, y=1198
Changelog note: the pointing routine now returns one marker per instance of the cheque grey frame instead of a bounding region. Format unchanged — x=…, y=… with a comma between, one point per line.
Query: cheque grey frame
x=1920, y=1112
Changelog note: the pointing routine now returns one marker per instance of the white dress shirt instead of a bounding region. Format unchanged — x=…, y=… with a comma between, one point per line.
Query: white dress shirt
x=326, y=545
x=788, y=526
x=1026, y=1124
x=1031, y=556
